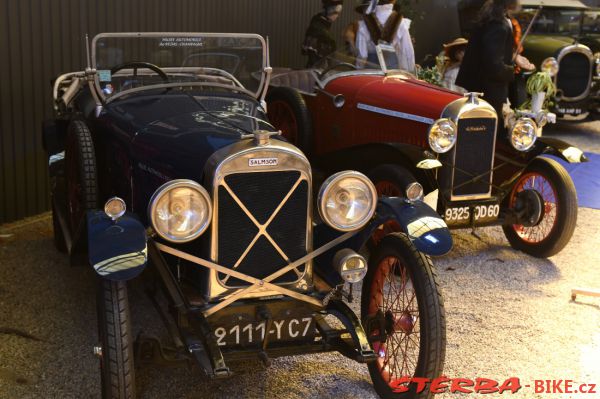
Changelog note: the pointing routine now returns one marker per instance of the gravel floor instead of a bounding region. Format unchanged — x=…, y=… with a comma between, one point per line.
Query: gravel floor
x=508, y=315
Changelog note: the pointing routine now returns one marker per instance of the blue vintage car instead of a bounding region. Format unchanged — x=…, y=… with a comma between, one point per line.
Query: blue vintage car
x=164, y=168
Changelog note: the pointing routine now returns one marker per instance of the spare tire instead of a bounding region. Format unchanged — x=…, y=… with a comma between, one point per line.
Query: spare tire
x=287, y=111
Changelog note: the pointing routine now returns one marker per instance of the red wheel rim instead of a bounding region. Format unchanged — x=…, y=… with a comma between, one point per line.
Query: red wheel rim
x=386, y=188
x=282, y=117
x=393, y=293
x=541, y=231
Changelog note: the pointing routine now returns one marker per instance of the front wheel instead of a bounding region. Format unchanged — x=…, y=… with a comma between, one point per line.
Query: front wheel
x=558, y=218
x=403, y=314
x=116, y=344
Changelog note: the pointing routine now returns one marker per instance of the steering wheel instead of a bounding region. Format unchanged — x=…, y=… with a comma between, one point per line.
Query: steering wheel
x=341, y=64
x=138, y=64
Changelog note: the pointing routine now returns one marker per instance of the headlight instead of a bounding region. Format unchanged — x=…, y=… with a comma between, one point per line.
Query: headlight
x=523, y=134
x=597, y=60
x=180, y=210
x=550, y=65
x=442, y=135
x=347, y=201
x=115, y=208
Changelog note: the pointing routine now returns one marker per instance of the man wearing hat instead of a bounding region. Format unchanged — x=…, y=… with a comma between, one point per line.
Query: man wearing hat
x=318, y=40
x=384, y=25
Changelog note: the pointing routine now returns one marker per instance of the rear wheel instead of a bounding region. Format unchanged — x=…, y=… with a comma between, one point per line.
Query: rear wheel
x=287, y=111
x=403, y=314
x=558, y=218
x=116, y=344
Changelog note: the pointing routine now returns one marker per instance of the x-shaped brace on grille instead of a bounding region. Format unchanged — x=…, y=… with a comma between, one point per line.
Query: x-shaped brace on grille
x=257, y=283
x=262, y=228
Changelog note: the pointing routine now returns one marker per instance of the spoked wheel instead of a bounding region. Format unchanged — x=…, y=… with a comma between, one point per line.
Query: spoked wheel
x=403, y=314
x=116, y=344
x=287, y=111
x=281, y=115
x=554, y=229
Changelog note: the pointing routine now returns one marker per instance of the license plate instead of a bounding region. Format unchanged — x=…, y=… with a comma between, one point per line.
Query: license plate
x=246, y=334
x=480, y=213
x=570, y=111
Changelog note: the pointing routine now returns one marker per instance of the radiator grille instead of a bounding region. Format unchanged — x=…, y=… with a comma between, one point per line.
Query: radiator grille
x=474, y=154
x=261, y=194
x=574, y=75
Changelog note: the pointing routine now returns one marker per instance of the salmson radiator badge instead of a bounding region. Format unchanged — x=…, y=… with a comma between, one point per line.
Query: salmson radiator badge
x=263, y=162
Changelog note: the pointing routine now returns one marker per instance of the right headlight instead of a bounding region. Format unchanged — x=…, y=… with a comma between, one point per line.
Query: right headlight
x=550, y=65
x=180, y=210
x=347, y=201
x=523, y=134
x=442, y=135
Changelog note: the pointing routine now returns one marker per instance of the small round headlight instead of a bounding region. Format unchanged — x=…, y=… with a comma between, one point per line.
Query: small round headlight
x=550, y=65
x=180, y=210
x=442, y=135
x=414, y=191
x=115, y=208
x=347, y=201
x=524, y=134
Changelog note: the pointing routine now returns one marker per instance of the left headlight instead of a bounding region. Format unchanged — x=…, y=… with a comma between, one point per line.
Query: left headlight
x=523, y=134
x=442, y=135
x=180, y=210
x=347, y=201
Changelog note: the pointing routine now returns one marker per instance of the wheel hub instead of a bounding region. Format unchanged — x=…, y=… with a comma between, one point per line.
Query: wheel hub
x=401, y=323
x=531, y=208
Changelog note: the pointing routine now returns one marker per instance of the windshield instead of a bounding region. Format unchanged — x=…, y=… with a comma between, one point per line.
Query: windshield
x=132, y=62
x=591, y=22
x=341, y=62
x=552, y=21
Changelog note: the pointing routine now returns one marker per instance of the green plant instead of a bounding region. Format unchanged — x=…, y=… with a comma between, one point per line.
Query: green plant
x=540, y=82
x=430, y=75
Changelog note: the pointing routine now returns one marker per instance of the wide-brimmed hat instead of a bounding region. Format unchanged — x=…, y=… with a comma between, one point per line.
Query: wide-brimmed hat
x=461, y=41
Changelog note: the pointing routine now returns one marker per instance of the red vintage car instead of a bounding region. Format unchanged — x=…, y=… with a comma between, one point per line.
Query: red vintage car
x=416, y=139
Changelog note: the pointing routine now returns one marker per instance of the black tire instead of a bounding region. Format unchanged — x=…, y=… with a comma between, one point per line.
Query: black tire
x=542, y=241
x=80, y=170
x=418, y=267
x=116, y=343
x=59, y=237
x=287, y=111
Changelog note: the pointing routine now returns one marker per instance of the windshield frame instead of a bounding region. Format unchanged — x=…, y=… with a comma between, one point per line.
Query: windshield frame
x=257, y=95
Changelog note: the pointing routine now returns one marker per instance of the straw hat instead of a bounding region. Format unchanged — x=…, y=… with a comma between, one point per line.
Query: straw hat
x=461, y=41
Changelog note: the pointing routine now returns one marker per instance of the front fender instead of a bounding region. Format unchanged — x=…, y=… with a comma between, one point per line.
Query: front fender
x=425, y=228
x=561, y=149
x=117, y=250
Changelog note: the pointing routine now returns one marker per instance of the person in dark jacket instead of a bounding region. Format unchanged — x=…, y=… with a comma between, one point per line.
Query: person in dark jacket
x=318, y=40
x=489, y=63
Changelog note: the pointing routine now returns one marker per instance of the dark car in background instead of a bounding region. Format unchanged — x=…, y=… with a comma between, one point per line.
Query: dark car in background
x=164, y=169
x=566, y=34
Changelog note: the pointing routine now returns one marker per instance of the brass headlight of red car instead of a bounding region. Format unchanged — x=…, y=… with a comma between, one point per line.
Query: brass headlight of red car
x=180, y=210
x=523, y=134
x=442, y=135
